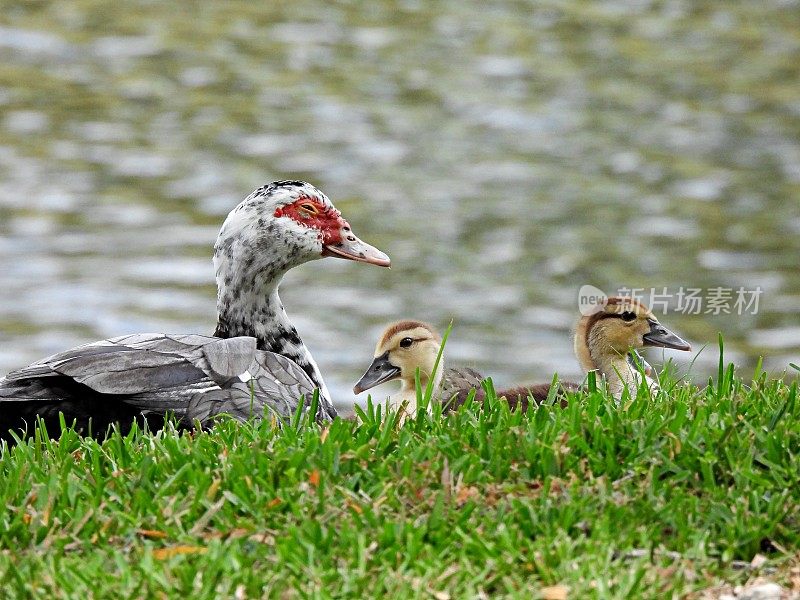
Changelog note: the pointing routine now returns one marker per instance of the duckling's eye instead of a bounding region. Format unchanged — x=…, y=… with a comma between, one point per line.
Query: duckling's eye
x=406, y=342
x=628, y=316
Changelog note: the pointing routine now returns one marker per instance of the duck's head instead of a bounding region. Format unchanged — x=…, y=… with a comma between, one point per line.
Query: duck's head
x=402, y=348
x=286, y=223
x=621, y=325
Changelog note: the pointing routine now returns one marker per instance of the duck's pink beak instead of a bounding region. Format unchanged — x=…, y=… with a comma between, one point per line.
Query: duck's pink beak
x=345, y=244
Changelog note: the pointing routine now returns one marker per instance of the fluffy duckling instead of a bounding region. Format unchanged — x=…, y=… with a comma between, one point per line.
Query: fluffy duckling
x=607, y=342
x=404, y=347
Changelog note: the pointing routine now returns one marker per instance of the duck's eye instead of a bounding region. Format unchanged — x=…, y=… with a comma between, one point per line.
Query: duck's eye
x=406, y=342
x=307, y=210
x=628, y=316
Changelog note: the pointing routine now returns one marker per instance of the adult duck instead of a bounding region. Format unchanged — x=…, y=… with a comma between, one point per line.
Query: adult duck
x=254, y=361
x=606, y=341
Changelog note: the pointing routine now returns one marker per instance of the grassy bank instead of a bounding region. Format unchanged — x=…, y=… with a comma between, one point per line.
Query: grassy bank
x=663, y=497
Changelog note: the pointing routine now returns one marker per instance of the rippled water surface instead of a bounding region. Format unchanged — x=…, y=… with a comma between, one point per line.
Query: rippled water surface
x=503, y=154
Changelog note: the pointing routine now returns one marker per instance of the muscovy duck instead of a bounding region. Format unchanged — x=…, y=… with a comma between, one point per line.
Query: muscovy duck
x=254, y=361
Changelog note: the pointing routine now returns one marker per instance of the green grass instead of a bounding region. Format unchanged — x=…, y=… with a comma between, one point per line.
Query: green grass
x=654, y=499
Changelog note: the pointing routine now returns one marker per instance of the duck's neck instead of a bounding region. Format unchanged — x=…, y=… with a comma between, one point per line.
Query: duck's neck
x=408, y=391
x=620, y=371
x=250, y=305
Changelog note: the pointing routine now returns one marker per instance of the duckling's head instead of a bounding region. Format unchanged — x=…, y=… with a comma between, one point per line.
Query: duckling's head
x=402, y=348
x=621, y=325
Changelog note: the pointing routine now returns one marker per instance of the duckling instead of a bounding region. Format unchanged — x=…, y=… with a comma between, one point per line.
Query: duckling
x=606, y=341
x=404, y=347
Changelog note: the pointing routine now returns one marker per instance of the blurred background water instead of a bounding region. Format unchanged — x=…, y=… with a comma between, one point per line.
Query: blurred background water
x=502, y=153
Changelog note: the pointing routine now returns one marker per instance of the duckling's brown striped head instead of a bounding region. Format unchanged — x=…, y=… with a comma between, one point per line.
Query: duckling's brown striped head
x=403, y=347
x=621, y=324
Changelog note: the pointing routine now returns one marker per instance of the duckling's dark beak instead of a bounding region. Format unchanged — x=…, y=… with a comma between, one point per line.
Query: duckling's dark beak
x=380, y=371
x=661, y=337
x=348, y=246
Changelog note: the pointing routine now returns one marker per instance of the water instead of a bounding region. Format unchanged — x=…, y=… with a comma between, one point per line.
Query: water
x=502, y=154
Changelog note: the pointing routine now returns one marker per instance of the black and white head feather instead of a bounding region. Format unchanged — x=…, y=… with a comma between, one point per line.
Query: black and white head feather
x=254, y=239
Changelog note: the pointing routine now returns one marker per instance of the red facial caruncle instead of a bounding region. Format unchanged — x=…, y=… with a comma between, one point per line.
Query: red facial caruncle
x=338, y=240
x=313, y=213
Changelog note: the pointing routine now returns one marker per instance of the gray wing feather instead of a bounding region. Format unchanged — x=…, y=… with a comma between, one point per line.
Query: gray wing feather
x=458, y=379
x=43, y=367
x=156, y=342
x=194, y=376
x=280, y=378
x=277, y=385
x=130, y=371
x=230, y=357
